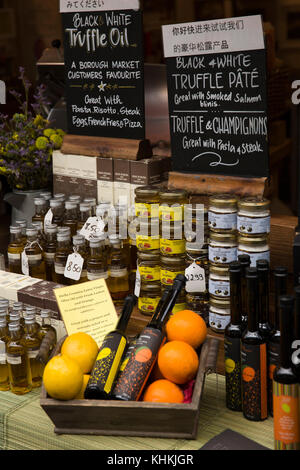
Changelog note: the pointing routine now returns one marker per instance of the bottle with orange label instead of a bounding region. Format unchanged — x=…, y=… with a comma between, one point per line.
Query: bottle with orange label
x=110, y=355
x=285, y=386
x=280, y=287
x=138, y=369
x=253, y=357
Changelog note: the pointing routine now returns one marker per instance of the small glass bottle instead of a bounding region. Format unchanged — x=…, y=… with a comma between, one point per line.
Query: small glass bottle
x=4, y=308
x=34, y=253
x=14, y=250
x=63, y=250
x=40, y=209
x=57, y=209
x=222, y=213
x=4, y=337
x=71, y=217
x=172, y=203
x=118, y=280
x=50, y=250
x=18, y=362
x=18, y=307
x=97, y=260
x=253, y=216
x=23, y=224
x=32, y=344
x=80, y=248
x=93, y=203
x=85, y=212
x=47, y=195
x=41, y=234
x=30, y=313
x=77, y=200
x=46, y=325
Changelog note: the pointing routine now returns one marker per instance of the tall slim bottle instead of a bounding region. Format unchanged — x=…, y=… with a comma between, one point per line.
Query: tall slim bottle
x=232, y=341
x=131, y=383
x=280, y=288
x=285, y=385
x=18, y=362
x=296, y=336
x=15, y=249
x=263, y=270
x=50, y=250
x=245, y=262
x=253, y=357
x=110, y=355
x=32, y=343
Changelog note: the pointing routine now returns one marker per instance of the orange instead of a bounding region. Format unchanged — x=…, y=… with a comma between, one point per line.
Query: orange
x=80, y=395
x=82, y=348
x=62, y=378
x=163, y=391
x=187, y=326
x=178, y=362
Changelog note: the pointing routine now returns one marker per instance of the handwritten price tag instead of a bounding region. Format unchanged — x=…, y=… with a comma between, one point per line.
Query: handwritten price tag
x=48, y=218
x=74, y=266
x=195, y=278
x=24, y=264
x=93, y=227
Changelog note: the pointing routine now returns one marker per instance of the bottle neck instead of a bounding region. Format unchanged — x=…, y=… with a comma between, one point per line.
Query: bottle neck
x=252, y=304
x=297, y=318
x=280, y=285
x=235, y=297
x=263, y=289
x=286, y=336
x=15, y=238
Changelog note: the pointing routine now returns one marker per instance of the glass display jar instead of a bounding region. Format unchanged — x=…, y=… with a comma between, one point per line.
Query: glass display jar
x=222, y=248
x=147, y=202
x=170, y=267
x=149, y=267
x=172, y=203
x=253, y=216
x=219, y=314
x=222, y=213
x=219, y=281
x=256, y=247
x=150, y=295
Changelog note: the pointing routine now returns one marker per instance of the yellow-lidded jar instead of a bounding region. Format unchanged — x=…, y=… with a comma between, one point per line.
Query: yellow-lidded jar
x=149, y=267
x=253, y=216
x=170, y=267
x=172, y=242
x=219, y=314
x=222, y=248
x=147, y=239
x=219, y=281
x=256, y=247
x=222, y=213
x=172, y=203
x=150, y=295
x=147, y=202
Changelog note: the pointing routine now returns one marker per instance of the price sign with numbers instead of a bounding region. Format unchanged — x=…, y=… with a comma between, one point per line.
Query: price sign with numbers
x=195, y=278
x=93, y=227
x=24, y=264
x=74, y=266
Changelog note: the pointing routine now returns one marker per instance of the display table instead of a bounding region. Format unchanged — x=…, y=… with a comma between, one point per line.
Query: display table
x=25, y=426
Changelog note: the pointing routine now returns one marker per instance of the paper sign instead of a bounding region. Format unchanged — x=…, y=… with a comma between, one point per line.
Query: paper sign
x=24, y=264
x=87, y=308
x=48, y=218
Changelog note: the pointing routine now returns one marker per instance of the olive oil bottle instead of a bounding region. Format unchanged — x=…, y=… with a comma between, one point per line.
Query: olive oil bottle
x=15, y=249
x=35, y=255
x=71, y=217
x=50, y=250
x=4, y=376
x=80, y=248
x=32, y=343
x=57, y=209
x=46, y=325
x=63, y=250
x=23, y=224
x=40, y=209
x=18, y=362
x=118, y=280
x=97, y=267
x=85, y=212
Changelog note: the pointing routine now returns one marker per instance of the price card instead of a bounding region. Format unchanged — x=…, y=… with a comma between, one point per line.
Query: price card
x=195, y=278
x=48, y=218
x=74, y=266
x=137, y=288
x=24, y=264
x=93, y=227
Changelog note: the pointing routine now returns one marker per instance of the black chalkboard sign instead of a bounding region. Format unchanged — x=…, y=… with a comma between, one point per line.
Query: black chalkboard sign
x=217, y=96
x=104, y=68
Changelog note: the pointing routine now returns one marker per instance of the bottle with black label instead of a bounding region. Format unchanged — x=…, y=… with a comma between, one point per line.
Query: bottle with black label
x=245, y=262
x=130, y=385
x=110, y=355
x=280, y=288
x=285, y=385
x=263, y=270
x=253, y=357
x=296, y=336
x=232, y=342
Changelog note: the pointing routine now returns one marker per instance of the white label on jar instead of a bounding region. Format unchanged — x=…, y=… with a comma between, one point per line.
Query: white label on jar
x=94, y=276
x=48, y=218
x=59, y=269
x=195, y=278
x=218, y=322
x=32, y=353
x=13, y=360
x=34, y=257
x=222, y=221
x=49, y=256
x=253, y=225
x=118, y=272
x=13, y=256
x=74, y=266
x=254, y=257
x=2, y=352
x=222, y=255
x=24, y=264
x=219, y=288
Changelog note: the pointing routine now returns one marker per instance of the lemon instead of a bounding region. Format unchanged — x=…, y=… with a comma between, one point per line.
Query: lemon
x=82, y=348
x=63, y=378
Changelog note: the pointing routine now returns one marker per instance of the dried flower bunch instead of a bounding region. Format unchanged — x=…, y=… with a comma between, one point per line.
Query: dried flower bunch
x=27, y=141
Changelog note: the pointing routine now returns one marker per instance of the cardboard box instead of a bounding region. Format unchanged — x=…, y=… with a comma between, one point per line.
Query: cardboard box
x=105, y=180
x=122, y=181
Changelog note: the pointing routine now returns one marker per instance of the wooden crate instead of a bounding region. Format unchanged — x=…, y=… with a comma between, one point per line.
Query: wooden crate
x=103, y=417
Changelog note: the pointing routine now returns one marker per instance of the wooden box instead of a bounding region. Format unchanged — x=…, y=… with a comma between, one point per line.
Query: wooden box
x=102, y=417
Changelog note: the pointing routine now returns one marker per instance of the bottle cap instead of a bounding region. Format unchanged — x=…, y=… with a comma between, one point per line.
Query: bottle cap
x=286, y=301
x=235, y=267
x=14, y=326
x=69, y=205
x=280, y=271
x=15, y=229
x=45, y=313
x=85, y=206
x=78, y=240
x=39, y=201
x=55, y=203
x=51, y=228
x=251, y=273
x=31, y=232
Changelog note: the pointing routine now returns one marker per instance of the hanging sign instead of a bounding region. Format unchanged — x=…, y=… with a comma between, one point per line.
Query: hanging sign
x=104, y=68
x=217, y=96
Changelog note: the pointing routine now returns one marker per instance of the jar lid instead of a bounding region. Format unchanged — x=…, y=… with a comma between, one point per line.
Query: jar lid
x=219, y=302
x=149, y=256
x=69, y=205
x=219, y=270
x=173, y=194
x=173, y=261
x=51, y=228
x=223, y=237
x=39, y=201
x=223, y=200
x=15, y=229
x=252, y=241
x=196, y=209
x=193, y=247
x=145, y=191
x=151, y=288
x=254, y=204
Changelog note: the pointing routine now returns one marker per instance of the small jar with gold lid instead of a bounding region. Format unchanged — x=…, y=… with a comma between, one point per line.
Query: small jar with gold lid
x=219, y=281
x=149, y=267
x=150, y=295
x=147, y=238
x=170, y=267
x=222, y=213
x=253, y=216
x=147, y=202
x=256, y=247
x=172, y=203
x=219, y=314
x=172, y=241
x=196, y=223
x=222, y=248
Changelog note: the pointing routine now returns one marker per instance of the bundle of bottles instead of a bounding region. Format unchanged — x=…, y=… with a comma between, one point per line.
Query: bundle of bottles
x=261, y=366
x=22, y=340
